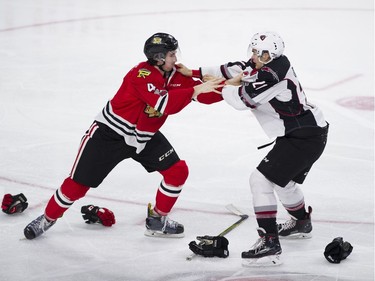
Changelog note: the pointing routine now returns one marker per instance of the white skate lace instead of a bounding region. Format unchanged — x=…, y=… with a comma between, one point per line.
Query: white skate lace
x=38, y=223
x=169, y=223
x=289, y=224
x=45, y=224
x=258, y=244
x=41, y=224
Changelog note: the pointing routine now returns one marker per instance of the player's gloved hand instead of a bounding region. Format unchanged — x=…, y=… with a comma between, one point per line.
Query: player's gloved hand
x=14, y=204
x=210, y=246
x=337, y=250
x=95, y=214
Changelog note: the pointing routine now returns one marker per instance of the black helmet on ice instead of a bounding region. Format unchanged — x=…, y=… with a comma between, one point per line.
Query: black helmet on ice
x=158, y=45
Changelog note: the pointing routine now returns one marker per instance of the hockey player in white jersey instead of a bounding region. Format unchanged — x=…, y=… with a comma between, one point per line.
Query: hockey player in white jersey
x=268, y=85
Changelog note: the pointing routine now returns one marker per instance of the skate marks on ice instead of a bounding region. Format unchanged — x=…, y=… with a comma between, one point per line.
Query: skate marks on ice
x=265, y=274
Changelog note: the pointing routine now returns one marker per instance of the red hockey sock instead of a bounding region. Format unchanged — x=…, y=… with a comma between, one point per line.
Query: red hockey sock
x=63, y=198
x=166, y=196
x=170, y=188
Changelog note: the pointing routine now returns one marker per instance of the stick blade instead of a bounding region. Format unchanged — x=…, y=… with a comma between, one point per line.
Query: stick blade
x=235, y=210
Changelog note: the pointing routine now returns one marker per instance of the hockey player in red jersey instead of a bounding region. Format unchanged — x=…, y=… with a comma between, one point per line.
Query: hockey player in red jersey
x=268, y=85
x=128, y=127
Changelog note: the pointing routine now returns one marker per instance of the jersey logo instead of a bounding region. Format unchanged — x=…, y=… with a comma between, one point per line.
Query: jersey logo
x=152, y=112
x=175, y=85
x=143, y=73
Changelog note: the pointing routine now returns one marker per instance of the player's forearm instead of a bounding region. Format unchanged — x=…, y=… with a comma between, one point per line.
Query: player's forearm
x=231, y=96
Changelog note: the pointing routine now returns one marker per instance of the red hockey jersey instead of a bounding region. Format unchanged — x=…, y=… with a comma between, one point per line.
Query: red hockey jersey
x=144, y=101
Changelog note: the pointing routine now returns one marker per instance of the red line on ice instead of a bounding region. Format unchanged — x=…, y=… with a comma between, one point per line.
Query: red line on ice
x=5, y=179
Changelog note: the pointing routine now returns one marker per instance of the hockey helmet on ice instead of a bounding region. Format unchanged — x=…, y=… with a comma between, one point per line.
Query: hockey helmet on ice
x=158, y=45
x=270, y=42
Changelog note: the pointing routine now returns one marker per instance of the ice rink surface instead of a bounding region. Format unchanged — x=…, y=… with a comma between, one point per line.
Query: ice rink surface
x=60, y=61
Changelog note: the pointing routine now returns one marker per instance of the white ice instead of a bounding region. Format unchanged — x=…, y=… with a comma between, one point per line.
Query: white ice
x=60, y=61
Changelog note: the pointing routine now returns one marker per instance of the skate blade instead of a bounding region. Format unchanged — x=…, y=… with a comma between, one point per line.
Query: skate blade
x=297, y=236
x=159, y=234
x=262, y=262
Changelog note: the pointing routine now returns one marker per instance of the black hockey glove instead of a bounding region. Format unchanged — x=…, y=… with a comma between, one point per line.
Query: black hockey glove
x=14, y=204
x=337, y=250
x=210, y=246
x=95, y=214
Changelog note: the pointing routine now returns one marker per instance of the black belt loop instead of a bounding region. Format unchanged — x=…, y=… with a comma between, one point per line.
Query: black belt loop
x=265, y=145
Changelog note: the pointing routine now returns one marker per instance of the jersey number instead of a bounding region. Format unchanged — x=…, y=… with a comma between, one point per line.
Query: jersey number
x=151, y=87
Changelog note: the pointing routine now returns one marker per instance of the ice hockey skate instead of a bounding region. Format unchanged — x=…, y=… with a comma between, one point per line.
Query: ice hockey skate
x=296, y=229
x=162, y=226
x=265, y=252
x=37, y=227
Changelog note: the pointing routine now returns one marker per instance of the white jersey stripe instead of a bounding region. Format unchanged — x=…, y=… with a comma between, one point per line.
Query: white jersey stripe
x=131, y=134
x=84, y=141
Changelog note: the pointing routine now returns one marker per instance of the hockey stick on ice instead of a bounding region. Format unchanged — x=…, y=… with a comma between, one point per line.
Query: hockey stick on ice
x=235, y=211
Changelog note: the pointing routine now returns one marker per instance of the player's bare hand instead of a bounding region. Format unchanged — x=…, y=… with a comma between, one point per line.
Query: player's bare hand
x=235, y=81
x=208, y=77
x=184, y=70
x=210, y=86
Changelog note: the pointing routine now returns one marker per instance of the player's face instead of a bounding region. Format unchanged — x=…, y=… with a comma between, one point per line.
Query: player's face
x=170, y=61
x=260, y=60
x=255, y=59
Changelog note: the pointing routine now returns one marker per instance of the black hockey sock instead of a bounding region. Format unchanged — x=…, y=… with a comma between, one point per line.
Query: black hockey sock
x=299, y=214
x=269, y=225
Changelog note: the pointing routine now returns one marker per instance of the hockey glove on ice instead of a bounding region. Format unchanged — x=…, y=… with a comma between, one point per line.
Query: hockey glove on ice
x=210, y=246
x=337, y=250
x=95, y=214
x=14, y=204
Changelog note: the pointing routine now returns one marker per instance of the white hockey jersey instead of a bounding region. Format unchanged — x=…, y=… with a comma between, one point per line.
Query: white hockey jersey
x=273, y=93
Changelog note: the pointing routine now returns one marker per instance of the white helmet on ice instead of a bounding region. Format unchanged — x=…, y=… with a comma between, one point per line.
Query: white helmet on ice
x=270, y=42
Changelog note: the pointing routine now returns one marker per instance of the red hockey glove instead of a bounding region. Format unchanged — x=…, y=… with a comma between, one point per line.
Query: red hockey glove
x=95, y=214
x=14, y=204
